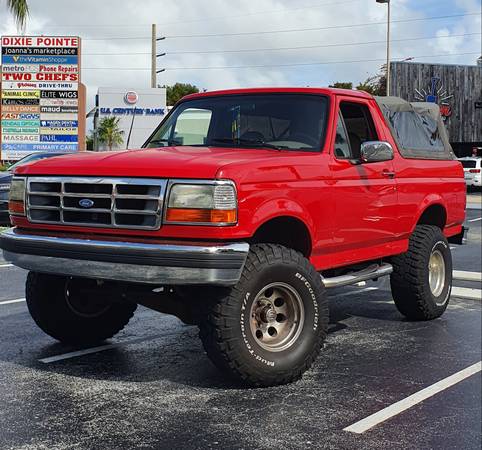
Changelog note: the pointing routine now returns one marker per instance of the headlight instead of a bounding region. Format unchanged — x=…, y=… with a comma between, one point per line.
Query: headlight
x=16, y=200
x=4, y=187
x=211, y=203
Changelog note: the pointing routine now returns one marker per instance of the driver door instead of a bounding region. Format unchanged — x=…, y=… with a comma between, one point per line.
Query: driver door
x=365, y=194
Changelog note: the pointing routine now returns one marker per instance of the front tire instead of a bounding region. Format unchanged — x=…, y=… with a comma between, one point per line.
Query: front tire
x=270, y=327
x=421, y=281
x=69, y=316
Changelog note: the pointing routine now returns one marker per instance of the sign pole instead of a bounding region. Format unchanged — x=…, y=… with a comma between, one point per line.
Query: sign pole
x=153, y=57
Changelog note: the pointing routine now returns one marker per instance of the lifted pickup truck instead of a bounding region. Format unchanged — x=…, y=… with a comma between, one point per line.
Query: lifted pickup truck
x=241, y=210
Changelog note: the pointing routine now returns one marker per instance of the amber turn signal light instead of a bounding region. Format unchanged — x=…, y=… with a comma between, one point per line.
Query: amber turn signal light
x=221, y=216
x=16, y=198
x=16, y=207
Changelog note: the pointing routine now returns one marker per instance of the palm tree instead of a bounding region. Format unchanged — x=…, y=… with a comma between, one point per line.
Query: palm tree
x=109, y=132
x=19, y=9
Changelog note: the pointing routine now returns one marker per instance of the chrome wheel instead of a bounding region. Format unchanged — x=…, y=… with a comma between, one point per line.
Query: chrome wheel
x=436, y=273
x=276, y=317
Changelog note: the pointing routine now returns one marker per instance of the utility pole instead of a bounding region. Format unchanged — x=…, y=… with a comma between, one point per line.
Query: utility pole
x=154, y=57
x=388, y=43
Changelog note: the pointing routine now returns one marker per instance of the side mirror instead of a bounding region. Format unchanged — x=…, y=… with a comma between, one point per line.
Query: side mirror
x=376, y=151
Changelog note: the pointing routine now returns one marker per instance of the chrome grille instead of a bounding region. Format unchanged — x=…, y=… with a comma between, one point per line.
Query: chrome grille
x=134, y=203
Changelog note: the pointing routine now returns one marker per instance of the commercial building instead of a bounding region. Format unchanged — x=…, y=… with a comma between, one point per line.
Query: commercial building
x=139, y=111
x=458, y=91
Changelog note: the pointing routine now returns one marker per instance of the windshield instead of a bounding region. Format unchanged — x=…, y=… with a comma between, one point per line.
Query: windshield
x=278, y=121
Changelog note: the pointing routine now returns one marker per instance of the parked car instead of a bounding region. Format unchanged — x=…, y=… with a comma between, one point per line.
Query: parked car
x=6, y=179
x=239, y=223
x=472, y=171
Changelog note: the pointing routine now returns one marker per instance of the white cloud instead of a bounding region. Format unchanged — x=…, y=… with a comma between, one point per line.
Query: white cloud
x=131, y=19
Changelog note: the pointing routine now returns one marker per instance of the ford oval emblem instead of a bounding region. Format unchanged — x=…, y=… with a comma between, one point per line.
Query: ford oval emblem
x=86, y=203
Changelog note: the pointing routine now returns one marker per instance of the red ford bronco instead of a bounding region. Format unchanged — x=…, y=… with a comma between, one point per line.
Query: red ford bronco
x=241, y=210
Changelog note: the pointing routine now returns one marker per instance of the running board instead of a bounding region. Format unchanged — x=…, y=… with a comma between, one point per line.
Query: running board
x=369, y=273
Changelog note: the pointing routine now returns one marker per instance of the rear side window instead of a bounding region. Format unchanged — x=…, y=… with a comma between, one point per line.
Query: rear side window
x=417, y=128
x=468, y=164
x=416, y=131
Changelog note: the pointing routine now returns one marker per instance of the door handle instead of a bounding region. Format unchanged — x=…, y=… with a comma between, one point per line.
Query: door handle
x=388, y=174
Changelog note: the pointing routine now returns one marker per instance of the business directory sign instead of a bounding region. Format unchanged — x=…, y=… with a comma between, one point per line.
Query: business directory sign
x=39, y=95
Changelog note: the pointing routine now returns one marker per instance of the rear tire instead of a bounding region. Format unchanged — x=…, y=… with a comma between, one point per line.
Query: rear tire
x=270, y=327
x=70, y=317
x=421, y=281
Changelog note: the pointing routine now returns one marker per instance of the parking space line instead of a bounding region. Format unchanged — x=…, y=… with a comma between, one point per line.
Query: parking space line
x=101, y=348
x=5, y=265
x=467, y=276
x=402, y=405
x=473, y=294
x=475, y=220
x=8, y=302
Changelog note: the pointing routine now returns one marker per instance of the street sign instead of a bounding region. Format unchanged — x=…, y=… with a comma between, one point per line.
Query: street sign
x=40, y=93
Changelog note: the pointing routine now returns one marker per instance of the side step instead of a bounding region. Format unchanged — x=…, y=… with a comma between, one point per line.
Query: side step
x=369, y=273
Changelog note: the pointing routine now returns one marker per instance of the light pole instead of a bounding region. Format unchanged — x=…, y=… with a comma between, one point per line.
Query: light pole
x=388, y=43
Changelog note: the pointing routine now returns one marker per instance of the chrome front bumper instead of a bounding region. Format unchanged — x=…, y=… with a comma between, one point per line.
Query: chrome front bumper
x=176, y=263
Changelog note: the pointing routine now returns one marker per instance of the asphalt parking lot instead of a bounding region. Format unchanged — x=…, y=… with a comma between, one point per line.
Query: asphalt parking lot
x=153, y=387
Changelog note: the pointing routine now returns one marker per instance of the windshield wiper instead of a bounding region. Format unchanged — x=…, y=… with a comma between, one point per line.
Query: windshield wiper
x=159, y=141
x=248, y=142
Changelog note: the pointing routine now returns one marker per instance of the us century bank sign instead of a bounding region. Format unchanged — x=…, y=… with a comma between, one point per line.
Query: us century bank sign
x=133, y=111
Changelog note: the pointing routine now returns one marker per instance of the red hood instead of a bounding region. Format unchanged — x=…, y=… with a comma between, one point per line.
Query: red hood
x=166, y=162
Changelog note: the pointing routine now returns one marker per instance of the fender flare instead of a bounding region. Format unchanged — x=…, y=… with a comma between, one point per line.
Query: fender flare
x=429, y=201
x=282, y=207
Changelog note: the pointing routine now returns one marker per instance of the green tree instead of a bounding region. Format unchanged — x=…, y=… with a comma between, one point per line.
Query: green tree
x=89, y=141
x=342, y=85
x=19, y=9
x=178, y=91
x=109, y=132
x=376, y=84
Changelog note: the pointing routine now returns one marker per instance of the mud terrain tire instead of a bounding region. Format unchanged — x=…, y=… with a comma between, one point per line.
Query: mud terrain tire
x=269, y=328
x=421, y=281
x=48, y=303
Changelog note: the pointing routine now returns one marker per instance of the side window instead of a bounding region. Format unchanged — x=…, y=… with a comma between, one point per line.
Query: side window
x=342, y=146
x=359, y=125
